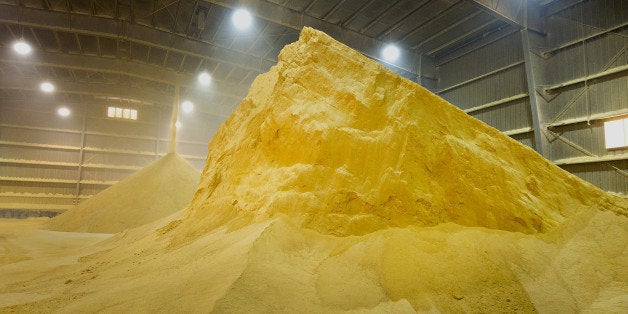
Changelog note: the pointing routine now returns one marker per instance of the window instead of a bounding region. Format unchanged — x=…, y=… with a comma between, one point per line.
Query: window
x=616, y=133
x=122, y=113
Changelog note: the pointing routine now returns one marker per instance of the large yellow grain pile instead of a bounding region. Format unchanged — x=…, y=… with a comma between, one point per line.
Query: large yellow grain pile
x=153, y=192
x=339, y=186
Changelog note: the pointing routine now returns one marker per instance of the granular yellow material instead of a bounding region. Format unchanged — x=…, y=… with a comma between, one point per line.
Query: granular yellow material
x=339, y=186
x=156, y=191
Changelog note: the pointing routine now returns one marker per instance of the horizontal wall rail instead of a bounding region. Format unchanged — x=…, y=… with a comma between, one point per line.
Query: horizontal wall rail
x=93, y=149
x=39, y=145
x=549, y=52
x=519, y=131
x=554, y=88
x=510, y=66
x=38, y=162
x=42, y=195
x=496, y=103
x=57, y=181
x=163, y=139
x=589, y=159
x=593, y=117
x=66, y=164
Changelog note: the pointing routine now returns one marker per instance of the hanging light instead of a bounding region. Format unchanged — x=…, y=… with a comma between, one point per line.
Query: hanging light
x=242, y=19
x=22, y=47
x=204, y=78
x=47, y=87
x=187, y=106
x=63, y=111
x=390, y=53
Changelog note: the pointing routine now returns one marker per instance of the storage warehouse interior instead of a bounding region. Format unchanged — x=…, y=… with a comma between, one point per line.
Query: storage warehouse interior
x=95, y=95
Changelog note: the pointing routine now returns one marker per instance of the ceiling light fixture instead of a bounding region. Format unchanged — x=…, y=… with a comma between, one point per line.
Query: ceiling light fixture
x=187, y=106
x=63, y=111
x=22, y=47
x=204, y=78
x=241, y=19
x=47, y=87
x=390, y=53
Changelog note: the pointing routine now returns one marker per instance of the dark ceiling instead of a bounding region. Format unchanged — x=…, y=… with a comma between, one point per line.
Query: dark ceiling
x=141, y=49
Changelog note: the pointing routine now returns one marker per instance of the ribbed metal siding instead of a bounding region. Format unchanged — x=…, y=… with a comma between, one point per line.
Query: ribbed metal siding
x=27, y=158
x=486, y=59
x=506, y=83
x=492, y=88
x=603, y=175
x=607, y=96
x=586, y=18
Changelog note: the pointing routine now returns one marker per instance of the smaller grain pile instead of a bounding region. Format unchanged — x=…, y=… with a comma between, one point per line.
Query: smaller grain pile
x=156, y=191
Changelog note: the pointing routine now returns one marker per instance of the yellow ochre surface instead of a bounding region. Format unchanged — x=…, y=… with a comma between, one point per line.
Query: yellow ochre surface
x=158, y=190
x=339, y=186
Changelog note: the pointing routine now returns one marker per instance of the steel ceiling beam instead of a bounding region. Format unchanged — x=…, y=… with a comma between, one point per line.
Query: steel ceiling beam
x=549, y=8
x=434, y=19
x=122, y=67
x=356, y=13
x=290, y=18
x=219, y=105
x=444, y=30
x=508, y=30
x=93, y=89
x=455, y=40
x=511, y=11
x=111, y=28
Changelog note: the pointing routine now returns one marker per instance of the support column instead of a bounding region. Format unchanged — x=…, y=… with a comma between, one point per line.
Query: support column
x=172, y=147
x=81, y=157
x=535, y=110
x=534, y=105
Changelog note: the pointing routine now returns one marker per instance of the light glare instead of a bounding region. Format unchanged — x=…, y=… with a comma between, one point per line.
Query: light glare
x=47, y=87
x=22, y=47
x=187, y=106
x=178, y=124
x=63, y=111
x=241, y=19
x=391, y=53
x=204, y=78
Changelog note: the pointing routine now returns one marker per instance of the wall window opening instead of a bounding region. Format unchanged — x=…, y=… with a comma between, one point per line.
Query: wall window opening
x=616, y=133
x=122, y=113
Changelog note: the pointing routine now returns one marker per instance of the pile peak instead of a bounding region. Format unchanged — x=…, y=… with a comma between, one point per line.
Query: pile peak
x=153, y=192
x=345, y=146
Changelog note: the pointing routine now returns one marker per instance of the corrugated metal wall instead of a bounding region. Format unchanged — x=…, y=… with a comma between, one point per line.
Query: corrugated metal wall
x=582, y=40
x=490, y=84
x=40, y=152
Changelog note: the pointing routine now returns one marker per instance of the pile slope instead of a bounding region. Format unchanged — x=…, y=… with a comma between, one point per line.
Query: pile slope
x=346, y=147
x=339, y=186
x=156, y=191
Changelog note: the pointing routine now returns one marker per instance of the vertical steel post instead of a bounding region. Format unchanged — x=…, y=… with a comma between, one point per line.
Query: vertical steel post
x=172, y=147
x=530, y=80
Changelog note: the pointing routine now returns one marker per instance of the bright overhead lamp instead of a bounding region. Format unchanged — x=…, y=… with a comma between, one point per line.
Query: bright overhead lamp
x=47, y=87
x=390, y=53
x=22, y=47
x=178, y=124
x=242, y=19
x=204, y=78
x=63, y=111
x=187, y=106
